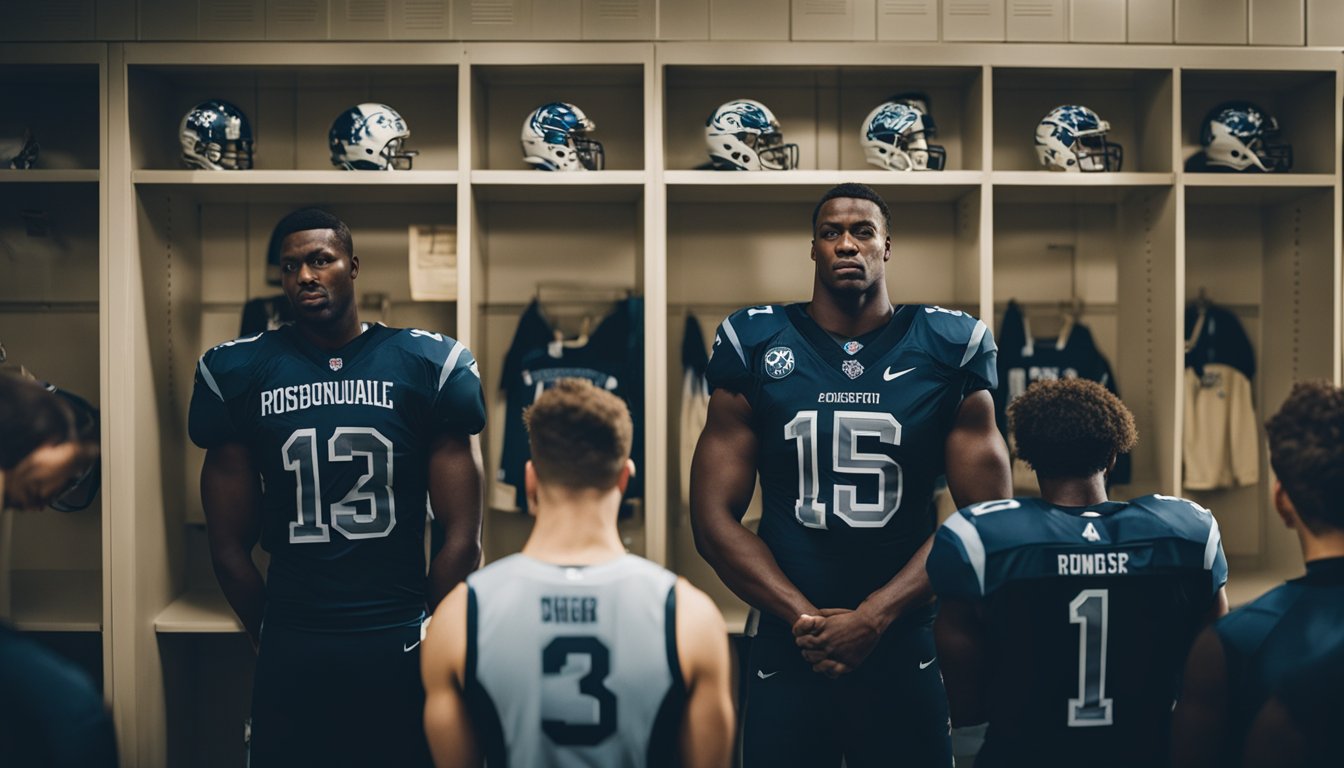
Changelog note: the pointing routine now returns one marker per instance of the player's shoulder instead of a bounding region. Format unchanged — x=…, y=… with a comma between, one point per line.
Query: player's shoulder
x=1001, y=523
x=430, y=345
x=1179, y=517
x=749, y=327
x=951, y=336
x=1247, y=627
x=233, y=362
x=500, y=572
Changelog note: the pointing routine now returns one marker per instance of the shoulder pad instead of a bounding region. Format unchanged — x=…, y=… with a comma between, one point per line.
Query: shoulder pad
x=224, y=364
x=1186, y=519
x=748, y=328
x=953, y=337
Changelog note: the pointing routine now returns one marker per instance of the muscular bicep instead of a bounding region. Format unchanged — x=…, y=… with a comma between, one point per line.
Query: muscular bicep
x=975, y=454
x=960, y=636
x=1199, y=722
x=455, y=479
x=702, y=645
x=723, y=471
x=231, y=498
x=448, y=728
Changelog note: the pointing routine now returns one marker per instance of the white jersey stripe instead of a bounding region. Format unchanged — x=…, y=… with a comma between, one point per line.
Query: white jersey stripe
x=1213, y=545
x=732, y=338
x=974, y=344
x=450, y=363
x=209, y=379
x=970, y=541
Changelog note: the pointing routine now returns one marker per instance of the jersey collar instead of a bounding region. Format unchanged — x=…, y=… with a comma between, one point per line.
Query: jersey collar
x=820, y=341
x=348, y=354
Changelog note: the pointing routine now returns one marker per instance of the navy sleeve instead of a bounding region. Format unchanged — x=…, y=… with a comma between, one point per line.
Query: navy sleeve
x=209, y=423
x=459, y=404
x=952, y=564
x=728, y=364
x=533, y=332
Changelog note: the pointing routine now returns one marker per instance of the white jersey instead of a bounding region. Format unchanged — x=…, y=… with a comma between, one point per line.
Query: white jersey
x=574, y=665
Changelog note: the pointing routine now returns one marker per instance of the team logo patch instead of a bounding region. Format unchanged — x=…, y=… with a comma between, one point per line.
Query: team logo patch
x=335, y=363
x=852, y=347
x=852, y=368
x=779, y=362
x=1090, y=533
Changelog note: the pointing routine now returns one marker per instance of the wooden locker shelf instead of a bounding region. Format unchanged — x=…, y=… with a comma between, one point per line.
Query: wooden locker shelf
x=1050, y=179
x=50, y=176
x=201, y=610
x=57, y=600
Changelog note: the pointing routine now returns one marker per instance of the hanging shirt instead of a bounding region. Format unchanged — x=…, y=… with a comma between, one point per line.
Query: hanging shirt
x=1220, y=444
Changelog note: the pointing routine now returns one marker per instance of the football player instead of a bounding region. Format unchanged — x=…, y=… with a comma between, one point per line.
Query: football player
x=574, y=652
x=1298, y=726
x=1239, y=662
x=1063, y=620
x=849, y=409
x=322, y=440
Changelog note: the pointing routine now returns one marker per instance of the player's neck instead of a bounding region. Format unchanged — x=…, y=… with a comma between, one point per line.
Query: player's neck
x=1073, y=491
x=333, y=335
x=575, y=528
x=850, y=314
x=1321, y=546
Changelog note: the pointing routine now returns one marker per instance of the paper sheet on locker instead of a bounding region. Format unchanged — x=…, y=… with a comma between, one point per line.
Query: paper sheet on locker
x=433, y=263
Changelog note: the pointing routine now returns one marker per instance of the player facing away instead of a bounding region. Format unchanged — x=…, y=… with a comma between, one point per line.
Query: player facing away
x=574, y=653
x=1259, y=648
x=322, y=440
x=1063, y=620
x=1298, y=727
x=849, y=409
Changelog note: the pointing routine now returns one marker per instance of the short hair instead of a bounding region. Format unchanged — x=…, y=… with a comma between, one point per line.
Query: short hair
x=305, y=219
x=580, y=435
x=1306, y=449
x=1067, y=428
x=30, y=417
x=858, y=191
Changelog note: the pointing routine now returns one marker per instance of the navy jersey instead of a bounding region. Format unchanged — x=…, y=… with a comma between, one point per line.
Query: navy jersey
x=341, y=441
x=1274, y=637
x=1311, y=698
x=1089, y=613
x=850, y=443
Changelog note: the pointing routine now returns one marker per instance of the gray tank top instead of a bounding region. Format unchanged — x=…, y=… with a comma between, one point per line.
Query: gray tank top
x=574, y=665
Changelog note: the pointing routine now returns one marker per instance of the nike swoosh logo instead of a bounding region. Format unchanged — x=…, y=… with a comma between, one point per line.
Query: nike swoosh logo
x=409, y=648
x=925, y=664
x=887, y=375
x=761, y=674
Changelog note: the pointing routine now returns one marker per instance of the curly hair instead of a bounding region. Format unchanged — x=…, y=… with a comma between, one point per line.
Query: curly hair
x=1070, y=427
x=1306, y=449
x=580, y=435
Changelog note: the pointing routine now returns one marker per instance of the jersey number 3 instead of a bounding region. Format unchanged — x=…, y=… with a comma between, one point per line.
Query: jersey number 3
x=368, y=511
x=846, y=458
x=585, y=717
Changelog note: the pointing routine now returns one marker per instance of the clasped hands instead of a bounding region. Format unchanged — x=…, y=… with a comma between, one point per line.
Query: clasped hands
x=835, y=641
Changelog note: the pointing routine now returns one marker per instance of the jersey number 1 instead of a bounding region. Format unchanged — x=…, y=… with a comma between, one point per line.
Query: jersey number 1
x=1090, y=610
x=368, y=511
x=846, y=458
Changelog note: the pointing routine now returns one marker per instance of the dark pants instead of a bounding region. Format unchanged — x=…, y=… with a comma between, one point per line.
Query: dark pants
x=890, y=712
x=337, y=699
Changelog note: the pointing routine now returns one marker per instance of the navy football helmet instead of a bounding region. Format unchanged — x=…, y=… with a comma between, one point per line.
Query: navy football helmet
x=895, y=136
x=1073, y=138
x=216, y=136
x=370, y=137
x=1236, y=135
x=743, y=135
x=555, y=138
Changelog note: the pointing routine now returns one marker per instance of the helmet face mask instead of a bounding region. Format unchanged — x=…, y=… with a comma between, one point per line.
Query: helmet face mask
x=1236, y=136
x=895, y=136
x=1073, y=138
x=555, y=138
x=216, y=136
x=743, y=135
x=370, y=137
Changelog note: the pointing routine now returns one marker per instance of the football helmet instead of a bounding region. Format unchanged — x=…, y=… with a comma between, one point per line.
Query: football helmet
x=370, y=137
x=216, y=136
x=555, y=138
x=1073, y=138
x=743, y=135
x=18, y=152
x=1235, y=135
x=895, y=137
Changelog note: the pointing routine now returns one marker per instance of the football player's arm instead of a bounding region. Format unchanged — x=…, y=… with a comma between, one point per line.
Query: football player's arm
x=1275, y=739
x=452, y=741
x=723, y=476
x=960, y=636
x=1199, y=722
x=455, y=481
x=231, y=498
x=702, y=647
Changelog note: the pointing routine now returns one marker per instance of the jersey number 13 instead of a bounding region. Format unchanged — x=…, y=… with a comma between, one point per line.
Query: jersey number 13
x=847, y=459
x=368, y=511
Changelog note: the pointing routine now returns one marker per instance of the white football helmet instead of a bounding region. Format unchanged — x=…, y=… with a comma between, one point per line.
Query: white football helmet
x=895, y=137
x=743, y=135
x=370, y=137
x=1235, y=135
x=1073, y=138
x=555, y=138
x=216, y=136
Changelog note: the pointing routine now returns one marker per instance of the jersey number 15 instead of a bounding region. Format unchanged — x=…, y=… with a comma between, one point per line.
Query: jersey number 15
x=847, y=459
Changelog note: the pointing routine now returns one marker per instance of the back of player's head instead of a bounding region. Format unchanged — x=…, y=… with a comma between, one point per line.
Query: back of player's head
x=1070, y=428
x=1306, y=449
x=30, y=417
x=580, y=435
x=305, y=219
x=859, y=192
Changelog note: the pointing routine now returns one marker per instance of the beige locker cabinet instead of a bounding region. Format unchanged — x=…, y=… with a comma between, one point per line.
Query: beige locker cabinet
x=609, y=95
x=51, y=318
x=1211, y=22
x=1108, y=247
x=1136, y=102
x=1268, y=254
x=75, y=20
x=973, y=20
x=1325, y=23
x=1150, y=21
x=618, y=19
x=912, y=20
x=749, y=19
x=1097, y=21
x=303, y=20
x=822, y=109
x=833, y=19
x=517, y=19
x=1044, y=21
x=1277, y=22
x=1305, y=104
